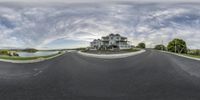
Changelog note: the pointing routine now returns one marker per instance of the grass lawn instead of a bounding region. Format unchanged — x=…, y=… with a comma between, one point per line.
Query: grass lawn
x=189, y=55
x=194, y=56
x=111, y=51
x=25, y=58
x=131, y=50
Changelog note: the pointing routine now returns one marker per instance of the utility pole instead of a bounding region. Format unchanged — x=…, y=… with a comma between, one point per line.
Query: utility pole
x=162, y=46
x=175, y=46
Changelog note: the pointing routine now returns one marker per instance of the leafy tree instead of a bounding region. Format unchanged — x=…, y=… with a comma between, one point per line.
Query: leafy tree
x=177, y=46
x=160, y=47
x=141, y=45
x=4, y=52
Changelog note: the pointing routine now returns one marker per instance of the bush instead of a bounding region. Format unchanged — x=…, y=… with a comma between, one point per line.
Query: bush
x=15, y=54
x=8, y=53
x=131, y=50
x=4, y=52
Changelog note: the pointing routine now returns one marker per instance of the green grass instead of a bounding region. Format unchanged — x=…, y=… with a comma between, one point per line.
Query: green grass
x=131, y=50
x=189, y=55
x=194, y=56
x=25, y=58
x=111, y=51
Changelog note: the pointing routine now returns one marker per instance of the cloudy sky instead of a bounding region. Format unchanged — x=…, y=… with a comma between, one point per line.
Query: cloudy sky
x=78, y=1
x=65, y=25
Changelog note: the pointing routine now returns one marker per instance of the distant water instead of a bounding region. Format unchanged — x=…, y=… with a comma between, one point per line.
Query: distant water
x=39, y=53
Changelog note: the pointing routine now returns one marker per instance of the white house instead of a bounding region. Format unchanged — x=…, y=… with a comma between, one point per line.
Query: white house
x=96, y=44
x=111, y=41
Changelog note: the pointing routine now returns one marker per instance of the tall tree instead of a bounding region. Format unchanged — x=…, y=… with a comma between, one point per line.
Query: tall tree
x=141, y=45
x=160, y=47
x=177, y=46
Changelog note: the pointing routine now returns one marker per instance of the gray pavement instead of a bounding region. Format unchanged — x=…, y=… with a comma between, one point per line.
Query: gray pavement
x=151, y=75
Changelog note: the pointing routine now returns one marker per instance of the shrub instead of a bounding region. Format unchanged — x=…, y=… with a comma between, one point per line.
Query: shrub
x=4, y=52
x=15, y=54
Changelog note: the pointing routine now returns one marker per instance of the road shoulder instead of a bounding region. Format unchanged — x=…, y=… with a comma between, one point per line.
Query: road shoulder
x=182, y=55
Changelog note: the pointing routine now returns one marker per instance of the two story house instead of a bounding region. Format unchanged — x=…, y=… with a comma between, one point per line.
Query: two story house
x=111, y=41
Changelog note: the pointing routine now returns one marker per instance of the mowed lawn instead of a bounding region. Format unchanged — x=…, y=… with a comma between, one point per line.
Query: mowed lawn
x=194, y=56
x=26, y=58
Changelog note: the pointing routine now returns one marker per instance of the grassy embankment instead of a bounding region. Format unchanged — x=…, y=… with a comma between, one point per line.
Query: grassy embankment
x=194, y=56
x=191, y=53
x=6, y=57
x=132, y=50
x=111, y=51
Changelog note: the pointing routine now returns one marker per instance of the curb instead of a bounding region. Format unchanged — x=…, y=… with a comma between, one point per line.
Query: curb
x=30, y=61
x=182, y=55
x=111, y=56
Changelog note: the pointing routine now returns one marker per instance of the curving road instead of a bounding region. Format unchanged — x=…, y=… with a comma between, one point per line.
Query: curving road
x=152, y=75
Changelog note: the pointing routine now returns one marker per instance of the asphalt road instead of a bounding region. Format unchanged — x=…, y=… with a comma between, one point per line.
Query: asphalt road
x=152, y=75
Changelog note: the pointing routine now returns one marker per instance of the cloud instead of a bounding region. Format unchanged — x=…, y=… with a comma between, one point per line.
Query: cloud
x=40, y=26
x=93, y=1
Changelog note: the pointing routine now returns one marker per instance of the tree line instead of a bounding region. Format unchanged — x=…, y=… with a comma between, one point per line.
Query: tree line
x=176, y=46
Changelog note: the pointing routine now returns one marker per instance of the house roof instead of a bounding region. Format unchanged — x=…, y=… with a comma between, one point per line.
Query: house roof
x=111, y=34
x=124, y=37
x=105, y=37
x=117, y=35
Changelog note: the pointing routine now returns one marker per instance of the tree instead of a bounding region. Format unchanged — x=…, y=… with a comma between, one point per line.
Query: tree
x=32, y=50
x=4, y=52
x=160, y=47
x=141, y=45
x=177, y=46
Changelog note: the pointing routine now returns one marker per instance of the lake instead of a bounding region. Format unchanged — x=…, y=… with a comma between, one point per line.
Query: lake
x=39, y=53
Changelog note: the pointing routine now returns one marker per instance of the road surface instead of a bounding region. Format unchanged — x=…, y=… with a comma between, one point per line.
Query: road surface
x=152, y=75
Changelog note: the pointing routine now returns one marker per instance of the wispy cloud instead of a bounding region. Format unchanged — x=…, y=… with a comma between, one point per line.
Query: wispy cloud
x=41, y=26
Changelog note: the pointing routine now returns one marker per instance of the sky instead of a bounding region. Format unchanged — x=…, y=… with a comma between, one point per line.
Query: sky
x=50, y=25
x=78, y=1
